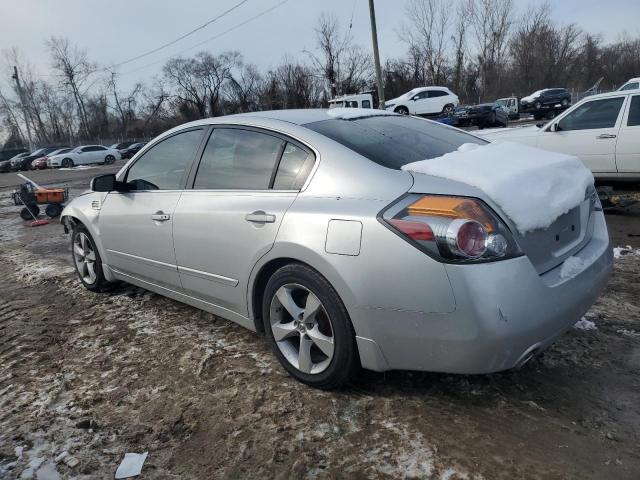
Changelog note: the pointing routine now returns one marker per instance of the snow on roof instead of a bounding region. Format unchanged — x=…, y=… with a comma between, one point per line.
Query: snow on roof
x=533, y=187
x=351, y=113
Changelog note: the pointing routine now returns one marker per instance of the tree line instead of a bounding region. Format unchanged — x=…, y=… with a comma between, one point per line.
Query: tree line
x=481, y=49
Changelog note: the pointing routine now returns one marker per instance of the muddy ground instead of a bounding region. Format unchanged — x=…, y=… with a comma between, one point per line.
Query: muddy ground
x=98, y=375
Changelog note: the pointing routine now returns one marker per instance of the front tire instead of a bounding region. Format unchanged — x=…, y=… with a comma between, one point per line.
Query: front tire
x=67, y=163
x=448, y=109
x=86, y=259
x=309, y=328
x=109, y=159
x=402, y=110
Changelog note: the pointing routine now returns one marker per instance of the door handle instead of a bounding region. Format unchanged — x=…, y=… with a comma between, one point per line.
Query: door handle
x=605, y=136
x=160, y=216
x=260, y=216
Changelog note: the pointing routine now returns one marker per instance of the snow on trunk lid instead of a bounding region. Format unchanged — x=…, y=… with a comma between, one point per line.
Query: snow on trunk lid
x=546, y=195
x=533, y=187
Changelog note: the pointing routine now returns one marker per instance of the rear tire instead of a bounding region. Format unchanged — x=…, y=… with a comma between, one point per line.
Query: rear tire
x=316, y=344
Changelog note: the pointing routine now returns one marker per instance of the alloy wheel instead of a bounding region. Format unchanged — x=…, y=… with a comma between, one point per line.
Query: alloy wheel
x=302, y=328
x=85, y=258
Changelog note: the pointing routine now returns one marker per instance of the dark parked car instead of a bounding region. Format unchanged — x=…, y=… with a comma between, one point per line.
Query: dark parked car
x=547, y=98
x=5, y=165
x=9, y=153
x=121, y=146
x=132, y=150
x=483, y=115
x=24, y=163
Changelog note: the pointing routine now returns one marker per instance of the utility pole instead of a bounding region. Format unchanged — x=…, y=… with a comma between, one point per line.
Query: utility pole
x=376, y=55
x=24, y=110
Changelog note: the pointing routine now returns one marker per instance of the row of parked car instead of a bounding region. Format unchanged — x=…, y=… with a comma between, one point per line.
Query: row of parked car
x=61, y=156
x=436, y=100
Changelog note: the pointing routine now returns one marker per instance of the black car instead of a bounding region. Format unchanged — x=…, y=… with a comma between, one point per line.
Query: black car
x=5, y=165
x=483, y=115
x=132, y=150
x=121, y=146
x=24, y=163
x=9, y=153
x=547, y=98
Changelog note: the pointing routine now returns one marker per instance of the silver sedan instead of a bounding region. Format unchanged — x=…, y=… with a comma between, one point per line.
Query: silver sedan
x=301, y=225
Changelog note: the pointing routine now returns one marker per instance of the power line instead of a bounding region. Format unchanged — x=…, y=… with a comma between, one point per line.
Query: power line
x=235, y=27
x=226, y=12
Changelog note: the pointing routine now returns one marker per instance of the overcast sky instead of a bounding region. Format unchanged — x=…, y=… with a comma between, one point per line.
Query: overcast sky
x=115, y=30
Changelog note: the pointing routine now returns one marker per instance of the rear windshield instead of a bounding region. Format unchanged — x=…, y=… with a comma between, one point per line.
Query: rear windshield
x=394, y=140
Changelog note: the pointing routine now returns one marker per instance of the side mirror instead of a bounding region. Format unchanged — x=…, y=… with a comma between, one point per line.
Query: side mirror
x=104, y=183
x=554, y=127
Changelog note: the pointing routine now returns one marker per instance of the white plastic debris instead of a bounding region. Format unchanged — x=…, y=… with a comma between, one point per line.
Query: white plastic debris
x=131, y=465
x=532, y=186
x=350, y=113
x=584, y=324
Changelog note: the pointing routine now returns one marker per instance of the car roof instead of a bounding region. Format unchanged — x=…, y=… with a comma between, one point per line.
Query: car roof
x=295, y=116
x=635, y=91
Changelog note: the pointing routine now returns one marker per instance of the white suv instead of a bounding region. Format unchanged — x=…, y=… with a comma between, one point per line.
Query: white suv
x=424, y=101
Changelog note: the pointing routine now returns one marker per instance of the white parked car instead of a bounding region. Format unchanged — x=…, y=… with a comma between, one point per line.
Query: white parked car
x=83, y=155
x=632, y=84
x=424, y=101
x=602, y=130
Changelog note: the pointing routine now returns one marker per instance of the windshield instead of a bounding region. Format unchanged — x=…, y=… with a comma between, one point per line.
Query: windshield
x=394, y=140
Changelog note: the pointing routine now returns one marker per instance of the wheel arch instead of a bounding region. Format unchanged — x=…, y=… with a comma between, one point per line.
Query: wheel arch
x=81, y=212
x=280, y=256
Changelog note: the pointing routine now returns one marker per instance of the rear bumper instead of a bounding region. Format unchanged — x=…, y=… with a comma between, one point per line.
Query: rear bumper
x=504, y=311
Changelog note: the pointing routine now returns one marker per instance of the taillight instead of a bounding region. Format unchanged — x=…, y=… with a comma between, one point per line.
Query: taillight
x=455, y=229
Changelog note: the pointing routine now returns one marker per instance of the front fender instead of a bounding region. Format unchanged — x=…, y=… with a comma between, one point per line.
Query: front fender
x=85, y=209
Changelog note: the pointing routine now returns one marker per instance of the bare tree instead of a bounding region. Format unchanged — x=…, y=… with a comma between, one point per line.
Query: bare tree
x=75, y=70
x=122, y=103
x=333, y=46
x=198, y=81
x=491, y=20
x=426, y=35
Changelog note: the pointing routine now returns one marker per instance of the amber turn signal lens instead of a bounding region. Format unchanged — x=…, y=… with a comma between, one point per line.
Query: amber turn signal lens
x=451, y=207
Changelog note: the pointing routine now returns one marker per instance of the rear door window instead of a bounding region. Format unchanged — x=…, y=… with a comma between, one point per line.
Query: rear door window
x=237, y=159
x=437, y=93
x=634, y=112
x=294, y=167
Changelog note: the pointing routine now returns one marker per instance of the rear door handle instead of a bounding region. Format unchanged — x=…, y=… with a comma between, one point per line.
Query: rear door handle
x=160, y=216
x=260, y=216
x=605, y=136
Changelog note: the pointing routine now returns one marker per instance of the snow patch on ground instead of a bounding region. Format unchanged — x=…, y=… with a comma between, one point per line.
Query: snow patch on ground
x=584, y=324
x=352, y=113
x=79, y=167
x=532, y=186
x=621, y=251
